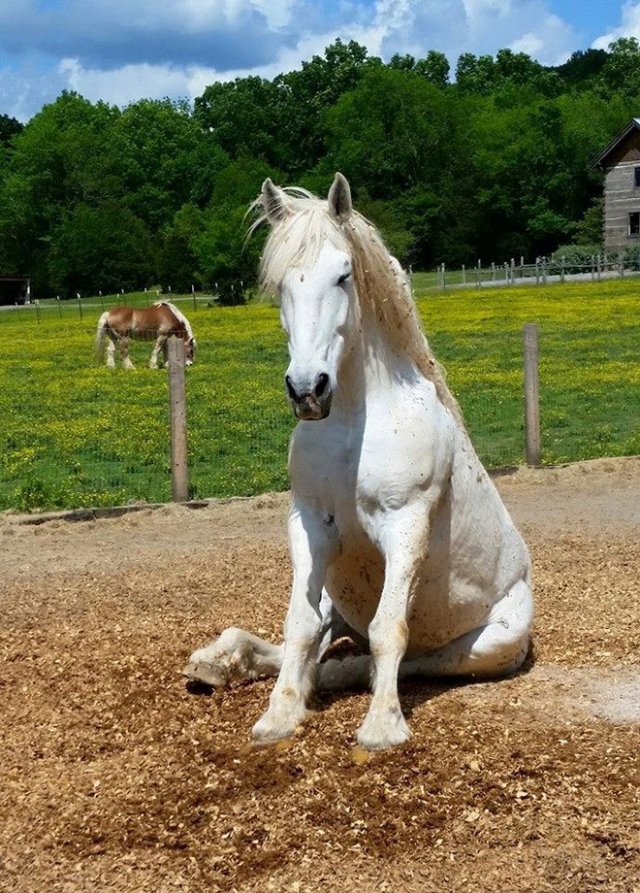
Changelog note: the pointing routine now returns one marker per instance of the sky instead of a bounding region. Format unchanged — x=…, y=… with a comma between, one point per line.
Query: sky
x=122, y=50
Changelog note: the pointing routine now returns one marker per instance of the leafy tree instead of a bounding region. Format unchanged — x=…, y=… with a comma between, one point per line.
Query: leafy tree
x=621, y=71
x=106, y=247
x=57, y=162
x=226, y=257
x=311, y=91
x=245, y=117
x=582, y=68
x=178, y=265
x=475, y=74
x=9, y=127
x=156, y=148
x=395, y=129
x=590, y=229
x=435, y=68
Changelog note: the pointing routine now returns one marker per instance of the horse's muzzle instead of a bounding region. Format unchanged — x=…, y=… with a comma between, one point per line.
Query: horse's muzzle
x=314, y=405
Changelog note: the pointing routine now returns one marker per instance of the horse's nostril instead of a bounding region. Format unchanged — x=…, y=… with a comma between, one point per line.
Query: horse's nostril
x=321, y=384
x=290, y=388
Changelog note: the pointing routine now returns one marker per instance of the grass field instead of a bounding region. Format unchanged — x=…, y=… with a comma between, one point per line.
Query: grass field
x=73, y=433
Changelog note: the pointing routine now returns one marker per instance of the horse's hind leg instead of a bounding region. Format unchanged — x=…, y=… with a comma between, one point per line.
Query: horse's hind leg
x=238, y=655
x=234, y=656
x=495, y=649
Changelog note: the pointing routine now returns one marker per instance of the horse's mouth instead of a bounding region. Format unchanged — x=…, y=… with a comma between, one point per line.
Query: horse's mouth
x=311, y=414
x=311, y=409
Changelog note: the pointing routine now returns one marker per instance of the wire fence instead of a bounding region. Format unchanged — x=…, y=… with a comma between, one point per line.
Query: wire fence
x=75, y=433
x=542, y=271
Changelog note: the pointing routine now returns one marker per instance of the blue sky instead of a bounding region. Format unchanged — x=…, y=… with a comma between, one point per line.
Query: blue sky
x=122, y=50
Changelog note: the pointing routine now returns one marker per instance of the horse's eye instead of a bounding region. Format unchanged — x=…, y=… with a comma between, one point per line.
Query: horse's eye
x=344, y=278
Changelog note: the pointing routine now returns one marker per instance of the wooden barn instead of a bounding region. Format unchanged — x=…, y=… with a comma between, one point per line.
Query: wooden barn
x=620, y=161
x=15, y=289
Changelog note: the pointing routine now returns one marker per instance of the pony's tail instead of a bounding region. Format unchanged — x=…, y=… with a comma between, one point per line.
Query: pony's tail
x=101, y=336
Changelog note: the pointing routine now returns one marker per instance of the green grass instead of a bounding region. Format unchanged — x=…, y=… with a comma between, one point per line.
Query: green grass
x=73, y=433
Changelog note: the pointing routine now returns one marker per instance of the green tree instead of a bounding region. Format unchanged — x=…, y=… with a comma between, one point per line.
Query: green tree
x=9, y=127
x=582, y=68
x=435, y=68
x=105, y=248
x=178, y=265
x=245, y=117
x=475, y=74
x=394, y=130
x=57, y=161
x=227, y=260
x=621, y=71
x=310, y=92
x=162, y=159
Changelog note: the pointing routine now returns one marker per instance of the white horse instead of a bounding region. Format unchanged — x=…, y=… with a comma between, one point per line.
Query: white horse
x=397, y=535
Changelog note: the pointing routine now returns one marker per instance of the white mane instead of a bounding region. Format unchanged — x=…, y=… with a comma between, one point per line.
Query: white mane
x=179, y=315
x=381, y=284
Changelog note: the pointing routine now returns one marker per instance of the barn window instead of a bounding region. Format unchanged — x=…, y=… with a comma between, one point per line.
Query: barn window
x=634, y=224
x=636, y=177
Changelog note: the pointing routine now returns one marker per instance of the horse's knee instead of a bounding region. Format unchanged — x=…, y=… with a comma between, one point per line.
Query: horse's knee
x=388, y=636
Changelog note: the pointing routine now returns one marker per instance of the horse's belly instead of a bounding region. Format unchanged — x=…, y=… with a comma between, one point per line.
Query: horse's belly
x=443, y=608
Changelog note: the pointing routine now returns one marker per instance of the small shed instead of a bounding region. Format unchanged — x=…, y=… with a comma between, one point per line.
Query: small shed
x=620, y=161
x=15, y=289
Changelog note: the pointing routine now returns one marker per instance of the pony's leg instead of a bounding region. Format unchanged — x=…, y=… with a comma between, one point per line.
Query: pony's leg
x=405, y=538
x=124, y=354
x=312, y=545
x=160, y=341
x=111, y=353
x=497, y=648
x=238, y=656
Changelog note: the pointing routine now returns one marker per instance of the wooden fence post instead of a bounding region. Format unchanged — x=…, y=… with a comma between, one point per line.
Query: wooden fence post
x=178, y=416
x=531, y=395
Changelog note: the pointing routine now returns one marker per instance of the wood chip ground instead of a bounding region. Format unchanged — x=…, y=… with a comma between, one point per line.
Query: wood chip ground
x=114, y=777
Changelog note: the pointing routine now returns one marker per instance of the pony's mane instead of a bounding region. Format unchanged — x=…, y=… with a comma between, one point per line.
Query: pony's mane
x=381, y=284
x=179, y=315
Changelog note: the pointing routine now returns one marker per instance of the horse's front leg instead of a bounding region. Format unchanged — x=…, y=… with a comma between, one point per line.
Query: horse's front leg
x=312, y=543
x=155, y=353
x=404, y=539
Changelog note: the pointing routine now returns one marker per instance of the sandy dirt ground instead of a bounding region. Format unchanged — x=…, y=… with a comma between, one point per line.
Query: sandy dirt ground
x=113, y=776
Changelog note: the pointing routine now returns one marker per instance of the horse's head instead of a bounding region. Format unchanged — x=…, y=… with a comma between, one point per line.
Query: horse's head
x=189, y=350
x=309, y=256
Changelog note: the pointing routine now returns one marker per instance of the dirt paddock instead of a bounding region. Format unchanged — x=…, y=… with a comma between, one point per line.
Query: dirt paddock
x=114, y=777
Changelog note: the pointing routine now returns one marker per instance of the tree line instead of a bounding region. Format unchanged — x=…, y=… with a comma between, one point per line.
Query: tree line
x=491, y=162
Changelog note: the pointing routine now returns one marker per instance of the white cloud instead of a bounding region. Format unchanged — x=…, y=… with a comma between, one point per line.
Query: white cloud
x=122, y=85
x=630, y=27
x=477, y=26
x=123, y=50
x=531, y=44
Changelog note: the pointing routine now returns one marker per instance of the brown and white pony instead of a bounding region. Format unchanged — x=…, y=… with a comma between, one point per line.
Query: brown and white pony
x=162, y=319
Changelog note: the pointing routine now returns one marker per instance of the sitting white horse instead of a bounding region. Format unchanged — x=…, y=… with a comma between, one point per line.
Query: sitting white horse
x=398, y=537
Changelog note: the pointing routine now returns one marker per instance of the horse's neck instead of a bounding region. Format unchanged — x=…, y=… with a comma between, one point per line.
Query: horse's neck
x=372, y=366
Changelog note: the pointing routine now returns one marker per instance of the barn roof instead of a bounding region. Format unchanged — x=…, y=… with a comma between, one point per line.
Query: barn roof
x=600, y=159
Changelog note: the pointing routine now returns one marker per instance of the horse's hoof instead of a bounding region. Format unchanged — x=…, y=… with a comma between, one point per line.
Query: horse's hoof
x=382, y=735
x=204, y=673
x=270, y=728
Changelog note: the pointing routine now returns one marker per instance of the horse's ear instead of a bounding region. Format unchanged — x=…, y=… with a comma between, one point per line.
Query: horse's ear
x=340, y=198
x=274, y=202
